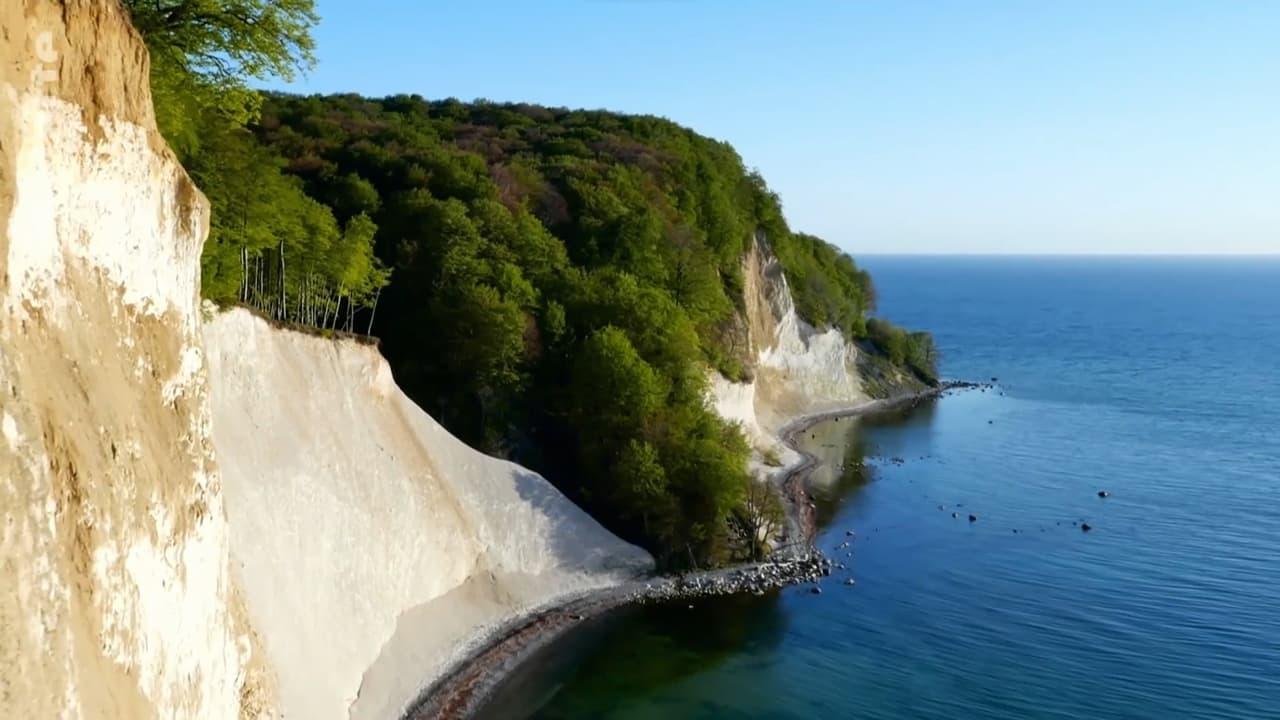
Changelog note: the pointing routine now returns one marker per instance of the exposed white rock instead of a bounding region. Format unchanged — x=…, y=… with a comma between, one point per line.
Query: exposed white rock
x=360, y=546
x=129, y=192
x=116, y=598
x=372, y=544
x=798, y=370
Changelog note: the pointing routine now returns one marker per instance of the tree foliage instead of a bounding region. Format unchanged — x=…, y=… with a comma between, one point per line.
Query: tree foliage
x=760, y=518
x=204, y=52
x=828, y=287
x=913, y=350
x=271, y=245
x=550, y=284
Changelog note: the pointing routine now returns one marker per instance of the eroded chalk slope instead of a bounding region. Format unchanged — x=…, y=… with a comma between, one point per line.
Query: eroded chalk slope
x=373, y=545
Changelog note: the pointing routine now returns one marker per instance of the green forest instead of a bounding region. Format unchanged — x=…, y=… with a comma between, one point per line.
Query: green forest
x=550, y=284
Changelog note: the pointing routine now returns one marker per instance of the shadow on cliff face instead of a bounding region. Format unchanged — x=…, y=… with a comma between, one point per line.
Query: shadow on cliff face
x=572, y=548
x=634, y=652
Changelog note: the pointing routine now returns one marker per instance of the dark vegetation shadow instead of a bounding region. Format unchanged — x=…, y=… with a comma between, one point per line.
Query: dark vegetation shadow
x=635, y=651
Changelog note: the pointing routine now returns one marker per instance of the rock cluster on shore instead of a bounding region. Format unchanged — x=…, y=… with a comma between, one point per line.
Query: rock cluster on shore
x=756, y=578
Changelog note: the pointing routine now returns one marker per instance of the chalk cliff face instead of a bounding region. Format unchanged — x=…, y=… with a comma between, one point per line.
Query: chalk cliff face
x=373, y=544
x=797, y=369
x=213, y=520
x=116, y=597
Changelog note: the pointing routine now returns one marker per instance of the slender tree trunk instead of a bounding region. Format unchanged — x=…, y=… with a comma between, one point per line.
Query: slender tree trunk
x=282, y=287
x=374, y=311
x=244, y=253
x=337, y=308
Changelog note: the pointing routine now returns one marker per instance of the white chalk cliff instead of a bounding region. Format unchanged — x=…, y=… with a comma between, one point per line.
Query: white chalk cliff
x=371, y=543
x=208, y=517
x=797, y=370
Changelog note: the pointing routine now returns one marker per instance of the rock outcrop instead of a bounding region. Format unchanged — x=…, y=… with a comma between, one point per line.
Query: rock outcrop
x=116, y=597
x=797, y=370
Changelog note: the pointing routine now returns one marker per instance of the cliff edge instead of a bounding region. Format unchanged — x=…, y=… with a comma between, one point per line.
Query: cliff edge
x=117, y=596
x=796, y=370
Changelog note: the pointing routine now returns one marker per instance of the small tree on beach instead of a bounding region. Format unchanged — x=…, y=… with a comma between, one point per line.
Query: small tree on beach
x=760, y=518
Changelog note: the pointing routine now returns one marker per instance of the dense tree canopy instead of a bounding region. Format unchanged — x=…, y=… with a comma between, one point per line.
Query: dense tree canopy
x=551, y=284
x=271, y=245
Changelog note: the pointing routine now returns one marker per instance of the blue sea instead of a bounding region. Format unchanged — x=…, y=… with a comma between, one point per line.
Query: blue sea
x=1155, y=379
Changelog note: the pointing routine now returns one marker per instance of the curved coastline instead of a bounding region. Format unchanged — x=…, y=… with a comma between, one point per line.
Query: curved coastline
x=792, y=481
x=462, y=690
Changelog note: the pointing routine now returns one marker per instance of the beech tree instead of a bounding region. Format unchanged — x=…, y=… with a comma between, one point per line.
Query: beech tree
x=760, y=518
x=204, y=53
x=271, y=244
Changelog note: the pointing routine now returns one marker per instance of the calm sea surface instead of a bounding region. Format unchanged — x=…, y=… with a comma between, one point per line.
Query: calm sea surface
x=1155, y=379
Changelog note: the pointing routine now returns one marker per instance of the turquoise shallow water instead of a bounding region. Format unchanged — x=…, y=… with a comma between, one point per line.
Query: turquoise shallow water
x=1156, y=379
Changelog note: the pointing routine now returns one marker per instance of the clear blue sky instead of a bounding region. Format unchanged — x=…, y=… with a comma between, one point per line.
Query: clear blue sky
x=891, y=126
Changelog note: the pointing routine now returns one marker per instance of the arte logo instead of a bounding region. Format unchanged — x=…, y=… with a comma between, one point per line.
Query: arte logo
x=46, y=72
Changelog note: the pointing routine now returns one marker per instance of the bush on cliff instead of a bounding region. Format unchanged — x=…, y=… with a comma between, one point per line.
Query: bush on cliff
x=913, y=350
